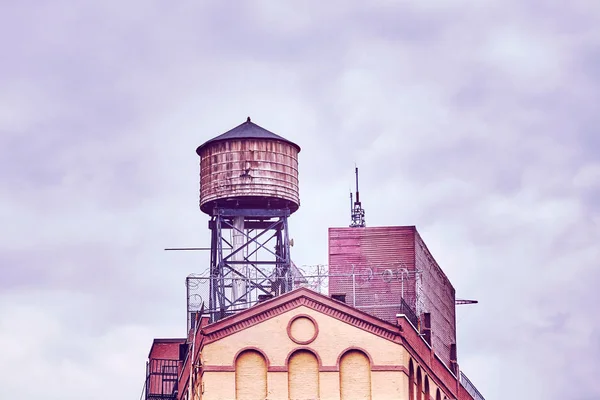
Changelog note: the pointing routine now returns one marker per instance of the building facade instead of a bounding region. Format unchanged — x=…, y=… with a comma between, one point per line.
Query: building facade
x=386, y=329
x=302, y=345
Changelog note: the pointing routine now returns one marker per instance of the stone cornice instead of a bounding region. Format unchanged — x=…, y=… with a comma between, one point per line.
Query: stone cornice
x=297, y=298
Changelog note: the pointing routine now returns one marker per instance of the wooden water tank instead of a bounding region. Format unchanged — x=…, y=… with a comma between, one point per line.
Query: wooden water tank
x=248, y=167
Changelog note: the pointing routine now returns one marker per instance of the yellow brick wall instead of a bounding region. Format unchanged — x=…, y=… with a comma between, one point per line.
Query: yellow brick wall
x=355, y=376
x=250, y=376
x=334, y=337
x=277, y=385
x=303, y=376
x=271, y=337
x=389, y=385
x=218, y=385
x=330, y=385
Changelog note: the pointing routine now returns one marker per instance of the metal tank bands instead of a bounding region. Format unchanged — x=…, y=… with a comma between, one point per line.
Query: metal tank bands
x=248, y=167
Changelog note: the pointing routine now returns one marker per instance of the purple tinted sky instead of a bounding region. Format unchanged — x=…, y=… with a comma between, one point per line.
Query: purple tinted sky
x=476, y=121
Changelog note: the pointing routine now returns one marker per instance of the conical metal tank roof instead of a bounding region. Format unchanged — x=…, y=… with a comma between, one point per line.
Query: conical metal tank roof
x=249, y=167
x=247, y=130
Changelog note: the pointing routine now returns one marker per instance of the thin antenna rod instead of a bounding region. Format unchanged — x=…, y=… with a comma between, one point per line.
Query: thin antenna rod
x=356, y=172
x=357, y=213
x=463, y=301
x=187, y=249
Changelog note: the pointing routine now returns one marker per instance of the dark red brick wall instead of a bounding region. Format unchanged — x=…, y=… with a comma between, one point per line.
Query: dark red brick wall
x=163, y=358
x=377, y=253
x=432, y=366
x=437, y=297
x=166, y=351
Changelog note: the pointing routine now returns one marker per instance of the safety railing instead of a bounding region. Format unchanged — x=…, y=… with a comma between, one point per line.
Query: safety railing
x=469, y=387
x=161, y=379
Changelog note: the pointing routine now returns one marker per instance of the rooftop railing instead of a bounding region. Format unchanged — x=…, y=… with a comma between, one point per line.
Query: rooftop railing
x=161, y=379
x=469, y=387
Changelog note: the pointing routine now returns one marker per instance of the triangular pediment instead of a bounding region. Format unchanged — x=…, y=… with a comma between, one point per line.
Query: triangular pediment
x=294, y=299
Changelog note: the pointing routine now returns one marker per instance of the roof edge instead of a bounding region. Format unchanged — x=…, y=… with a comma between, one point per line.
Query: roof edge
x=156, y=341
x=291, y=296
x=265, y=134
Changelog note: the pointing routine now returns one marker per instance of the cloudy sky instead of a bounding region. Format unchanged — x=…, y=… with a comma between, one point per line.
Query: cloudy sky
x=476, y=121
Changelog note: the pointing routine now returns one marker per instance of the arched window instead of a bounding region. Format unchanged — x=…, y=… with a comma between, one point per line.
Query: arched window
x=419, y=384
x=303, y=376
x=355, y=376
x=411, y=380
x=438, y=395
x=250, y=376
x=427, y=395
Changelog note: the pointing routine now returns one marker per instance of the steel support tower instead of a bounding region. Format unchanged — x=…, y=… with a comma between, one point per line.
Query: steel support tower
x=252, y=269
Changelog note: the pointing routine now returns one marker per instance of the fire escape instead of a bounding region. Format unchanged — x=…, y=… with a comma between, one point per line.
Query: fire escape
x=161, y=379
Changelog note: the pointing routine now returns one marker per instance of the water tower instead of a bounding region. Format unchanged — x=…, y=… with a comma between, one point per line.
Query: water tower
x=249, y=188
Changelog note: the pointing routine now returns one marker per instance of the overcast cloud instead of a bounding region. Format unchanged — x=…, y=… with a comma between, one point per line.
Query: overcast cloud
x=476, y=121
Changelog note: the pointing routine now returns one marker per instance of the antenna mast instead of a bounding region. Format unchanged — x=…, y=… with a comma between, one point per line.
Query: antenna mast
x=357, y=213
